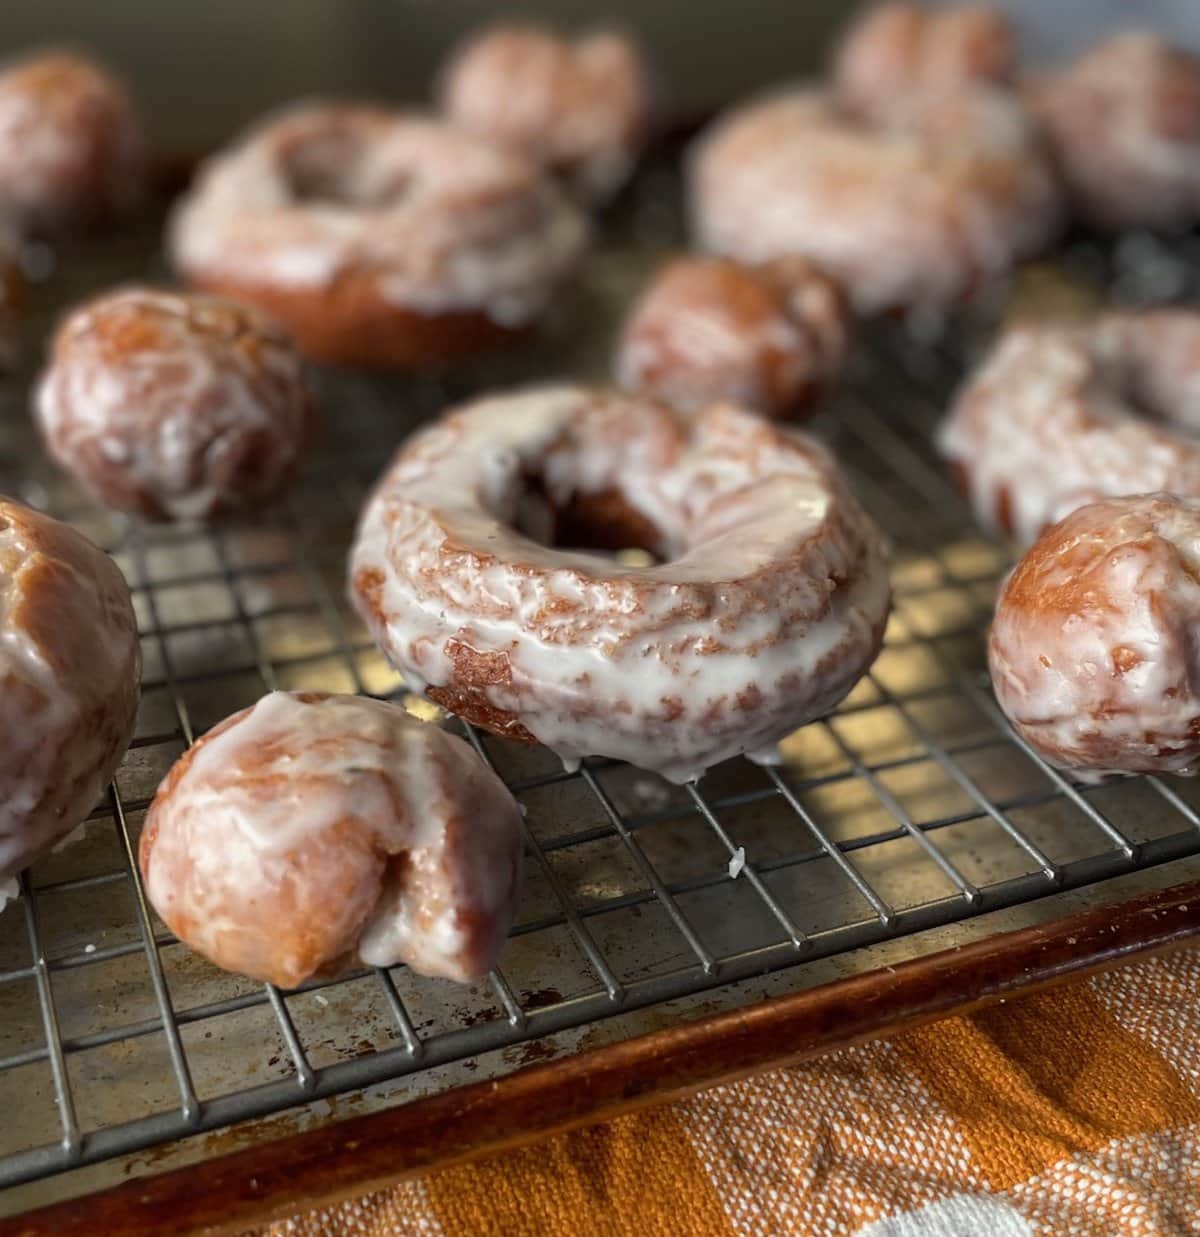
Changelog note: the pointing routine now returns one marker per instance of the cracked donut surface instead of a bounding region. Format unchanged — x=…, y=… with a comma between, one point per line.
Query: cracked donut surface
x=767, y=604
x=1093, y=649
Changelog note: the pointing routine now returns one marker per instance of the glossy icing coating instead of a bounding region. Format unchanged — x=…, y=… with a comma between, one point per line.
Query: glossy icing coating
x=768, y=603
x=1093, y=649
x=173, y=405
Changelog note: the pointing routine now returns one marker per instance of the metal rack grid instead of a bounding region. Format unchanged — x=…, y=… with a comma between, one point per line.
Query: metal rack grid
x=912, y=806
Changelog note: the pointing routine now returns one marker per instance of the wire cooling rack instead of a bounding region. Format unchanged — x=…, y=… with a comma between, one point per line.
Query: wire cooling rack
x=912, y=806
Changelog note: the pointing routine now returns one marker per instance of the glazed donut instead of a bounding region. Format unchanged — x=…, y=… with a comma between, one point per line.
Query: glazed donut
x=900, y=49
x=580, y=108
x=174, y=406
x=378, y=238
x=70, y=670
x=772, y=337
x=1124, y=124
x=768, y=604
x=71, y=150
x=313, y=833
x=916, y=211
x=1061, y=414
x=1093, y=650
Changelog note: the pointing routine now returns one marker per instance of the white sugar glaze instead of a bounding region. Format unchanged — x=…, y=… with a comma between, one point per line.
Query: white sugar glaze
x=69, y=669
x=443, y=221
x=1093, y=652
x=1061, y=414
x=917, y=212
x=425, y=839
x=770, y=604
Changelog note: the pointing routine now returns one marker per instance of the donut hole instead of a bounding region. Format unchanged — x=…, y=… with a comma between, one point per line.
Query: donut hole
x=1138, y=392
x=1151, y=388
x=336, y=170
x=601, y=521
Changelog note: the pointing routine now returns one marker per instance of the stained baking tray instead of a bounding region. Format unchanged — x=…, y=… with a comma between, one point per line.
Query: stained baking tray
x=909, y=821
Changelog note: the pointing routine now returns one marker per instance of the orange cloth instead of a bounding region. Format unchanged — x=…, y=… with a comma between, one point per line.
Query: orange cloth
x=1075, y=1111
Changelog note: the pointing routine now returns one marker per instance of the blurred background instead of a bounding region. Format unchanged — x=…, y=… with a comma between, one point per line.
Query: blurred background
x=202, y=70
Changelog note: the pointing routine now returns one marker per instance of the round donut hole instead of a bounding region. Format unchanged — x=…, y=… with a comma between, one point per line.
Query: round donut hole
x=1148, y=382
x=326, y=171
x=1137, y=388
x=600, y=522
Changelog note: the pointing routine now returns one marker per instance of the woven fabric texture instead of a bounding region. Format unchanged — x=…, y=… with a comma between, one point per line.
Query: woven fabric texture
x=1071, y=1112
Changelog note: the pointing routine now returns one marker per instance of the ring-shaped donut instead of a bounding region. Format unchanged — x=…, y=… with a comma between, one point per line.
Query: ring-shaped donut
x=767, y=603
x=1062, y=414
x=917, y=210
x=378, y=238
